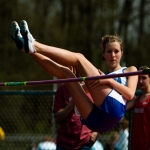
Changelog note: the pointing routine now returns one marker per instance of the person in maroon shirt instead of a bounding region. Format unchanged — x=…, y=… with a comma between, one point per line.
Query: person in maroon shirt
x=71, y=133
x=140, y=135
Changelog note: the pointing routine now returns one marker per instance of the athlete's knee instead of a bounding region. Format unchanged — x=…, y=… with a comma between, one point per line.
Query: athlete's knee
x=66, y=73
x=80, y=56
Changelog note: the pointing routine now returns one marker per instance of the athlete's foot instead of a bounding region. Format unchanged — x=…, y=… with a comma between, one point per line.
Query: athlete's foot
x=16, y=35
x=28, y=38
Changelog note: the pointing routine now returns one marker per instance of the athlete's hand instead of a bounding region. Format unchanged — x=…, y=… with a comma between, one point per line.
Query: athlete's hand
x=93, y=83
x=100, y=72
x=96, y=83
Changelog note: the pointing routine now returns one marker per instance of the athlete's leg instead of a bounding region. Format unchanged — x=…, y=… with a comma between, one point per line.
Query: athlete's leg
x=66, y=58
x=81, y=100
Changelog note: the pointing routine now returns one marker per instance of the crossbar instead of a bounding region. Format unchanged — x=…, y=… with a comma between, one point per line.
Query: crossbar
x=56, y=81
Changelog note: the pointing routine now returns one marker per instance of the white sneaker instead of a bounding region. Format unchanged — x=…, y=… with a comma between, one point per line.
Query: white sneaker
x=16, y=35
x=28, y=38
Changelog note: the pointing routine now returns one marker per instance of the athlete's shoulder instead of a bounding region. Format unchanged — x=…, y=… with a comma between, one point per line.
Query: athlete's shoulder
x=130, y=69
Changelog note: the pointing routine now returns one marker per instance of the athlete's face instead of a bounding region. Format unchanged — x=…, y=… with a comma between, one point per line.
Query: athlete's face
x=143, y=81
x=112, y=55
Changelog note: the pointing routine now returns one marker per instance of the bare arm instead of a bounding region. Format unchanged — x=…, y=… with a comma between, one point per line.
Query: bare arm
x=93, y=137
x=63, y=113
x=127, y=91
x=130, y=104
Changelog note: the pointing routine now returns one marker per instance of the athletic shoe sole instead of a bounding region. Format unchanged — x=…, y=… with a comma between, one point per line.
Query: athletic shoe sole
x=14, y=32
x=28, y=39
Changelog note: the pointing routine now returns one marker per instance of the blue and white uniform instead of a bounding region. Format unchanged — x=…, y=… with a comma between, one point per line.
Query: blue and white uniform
x=121, y=80
x=106, y=116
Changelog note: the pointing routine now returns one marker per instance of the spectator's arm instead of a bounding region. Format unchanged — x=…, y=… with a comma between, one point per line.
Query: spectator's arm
x=63, y=113
x=93, y=138
x=130, y=104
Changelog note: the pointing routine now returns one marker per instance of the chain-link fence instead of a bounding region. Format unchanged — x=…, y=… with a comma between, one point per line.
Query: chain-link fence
x=26, y=118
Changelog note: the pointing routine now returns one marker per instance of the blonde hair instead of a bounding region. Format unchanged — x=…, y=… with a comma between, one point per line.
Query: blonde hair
x=110, y=39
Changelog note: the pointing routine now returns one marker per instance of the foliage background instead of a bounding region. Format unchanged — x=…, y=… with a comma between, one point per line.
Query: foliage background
x=74, y=25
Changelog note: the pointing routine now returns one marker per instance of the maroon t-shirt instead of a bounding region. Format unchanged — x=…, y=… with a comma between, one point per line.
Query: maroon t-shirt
x=140, y=137
x=71, y=134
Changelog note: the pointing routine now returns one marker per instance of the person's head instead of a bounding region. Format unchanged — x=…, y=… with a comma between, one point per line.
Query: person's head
x=112, y=50
x=113, y=137
x=144, y=79
x=47, y=138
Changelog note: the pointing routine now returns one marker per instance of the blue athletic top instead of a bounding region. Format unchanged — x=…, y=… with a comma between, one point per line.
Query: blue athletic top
x=121, y=80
